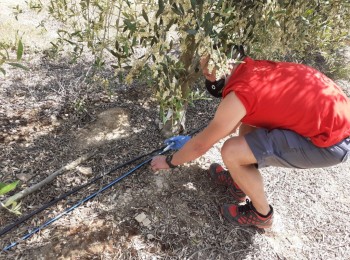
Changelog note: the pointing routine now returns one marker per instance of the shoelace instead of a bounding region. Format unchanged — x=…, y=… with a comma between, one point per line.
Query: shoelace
x=245, y=208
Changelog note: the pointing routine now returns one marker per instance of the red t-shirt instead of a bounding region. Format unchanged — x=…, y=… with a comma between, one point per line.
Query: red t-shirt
x=291, y=96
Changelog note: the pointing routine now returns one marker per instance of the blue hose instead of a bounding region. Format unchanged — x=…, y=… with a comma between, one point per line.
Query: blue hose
x=25, y=237
x=30, y=234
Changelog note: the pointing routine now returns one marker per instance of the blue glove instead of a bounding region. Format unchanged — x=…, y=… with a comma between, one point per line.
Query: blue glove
x=176, y=142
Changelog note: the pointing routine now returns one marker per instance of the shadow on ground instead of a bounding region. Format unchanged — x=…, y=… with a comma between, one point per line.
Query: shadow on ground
x=43, y=129
x=181, y=221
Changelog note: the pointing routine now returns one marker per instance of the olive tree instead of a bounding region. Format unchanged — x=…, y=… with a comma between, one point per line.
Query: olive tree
x=166, y=38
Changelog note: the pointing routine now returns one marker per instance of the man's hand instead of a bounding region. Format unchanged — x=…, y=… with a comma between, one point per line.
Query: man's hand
x=158, y=163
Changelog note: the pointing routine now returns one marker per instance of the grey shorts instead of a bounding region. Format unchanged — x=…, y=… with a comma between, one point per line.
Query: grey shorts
x=285, y=148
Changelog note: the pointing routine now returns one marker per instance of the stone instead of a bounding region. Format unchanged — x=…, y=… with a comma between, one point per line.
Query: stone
x=140, y=217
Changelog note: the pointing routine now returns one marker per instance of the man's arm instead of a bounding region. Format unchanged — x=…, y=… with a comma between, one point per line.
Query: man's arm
x=227, y=117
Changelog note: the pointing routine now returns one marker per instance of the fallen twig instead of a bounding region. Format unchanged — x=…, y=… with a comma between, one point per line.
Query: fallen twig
x=35, y=187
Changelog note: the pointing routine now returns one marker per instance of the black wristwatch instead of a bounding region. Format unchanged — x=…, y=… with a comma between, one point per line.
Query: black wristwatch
x=168, y=161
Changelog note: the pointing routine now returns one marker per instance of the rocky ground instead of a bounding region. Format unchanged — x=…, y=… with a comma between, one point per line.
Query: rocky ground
x=53, y=114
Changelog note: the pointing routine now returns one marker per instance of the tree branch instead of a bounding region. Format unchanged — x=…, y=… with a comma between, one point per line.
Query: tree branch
x=47, y=180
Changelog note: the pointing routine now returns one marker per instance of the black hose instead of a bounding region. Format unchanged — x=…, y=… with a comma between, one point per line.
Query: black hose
x=70, y=209
x=73, y=191
x=76, y=189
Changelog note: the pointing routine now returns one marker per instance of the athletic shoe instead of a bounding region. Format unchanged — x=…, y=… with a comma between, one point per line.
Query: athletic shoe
x=246, y=215
x=222, y=177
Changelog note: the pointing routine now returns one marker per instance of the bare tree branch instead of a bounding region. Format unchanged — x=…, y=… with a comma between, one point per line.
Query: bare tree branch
x=47, y=180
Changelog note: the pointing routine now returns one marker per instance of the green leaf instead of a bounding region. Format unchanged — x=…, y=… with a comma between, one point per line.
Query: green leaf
x=19, y=50
x=8, y=187
x=131, y=26
x=207, y=23
x=171, y=22
x=133, y=43
x=3, y=71
x=117, y=54
x=182, y=10
x=116, y=45
x=114, y=53
x=193, y=4
x=54, y=45
x=69, y=41
x=126, y=49
x=18, y=65
x=77, y=33
x=176, y=10
x=165, y=67
x=161, y=8
x=144, y=14
x=2, y=185
x=154, y=40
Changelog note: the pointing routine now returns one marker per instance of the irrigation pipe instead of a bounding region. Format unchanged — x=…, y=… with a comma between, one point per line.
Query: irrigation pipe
x=65, y=212
x=70, y=209
x=73, y=191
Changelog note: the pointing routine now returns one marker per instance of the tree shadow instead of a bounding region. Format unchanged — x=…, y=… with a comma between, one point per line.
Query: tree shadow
x=48, y=127
x=39, y=127
x=184, y=222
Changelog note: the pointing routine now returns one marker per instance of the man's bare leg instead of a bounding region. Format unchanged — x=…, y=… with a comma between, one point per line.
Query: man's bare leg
x=240, y=161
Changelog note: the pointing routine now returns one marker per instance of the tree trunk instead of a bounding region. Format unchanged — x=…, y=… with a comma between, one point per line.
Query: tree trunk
x=188, y=78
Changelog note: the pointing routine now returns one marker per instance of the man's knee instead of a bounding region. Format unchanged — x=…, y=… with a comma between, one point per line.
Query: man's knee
x=236, y=151
x=231, y=149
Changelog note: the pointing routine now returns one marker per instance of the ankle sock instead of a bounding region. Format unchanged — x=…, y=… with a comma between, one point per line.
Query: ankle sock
x=264, y=216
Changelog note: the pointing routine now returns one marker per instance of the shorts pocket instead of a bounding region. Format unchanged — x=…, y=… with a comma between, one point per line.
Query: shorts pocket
x=296, y=141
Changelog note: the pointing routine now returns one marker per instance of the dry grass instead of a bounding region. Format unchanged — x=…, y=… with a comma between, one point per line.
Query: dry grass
x=43, y=128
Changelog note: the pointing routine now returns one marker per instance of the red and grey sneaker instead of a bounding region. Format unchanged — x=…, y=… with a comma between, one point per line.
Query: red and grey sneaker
x=222, y=177
x=246, y=215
